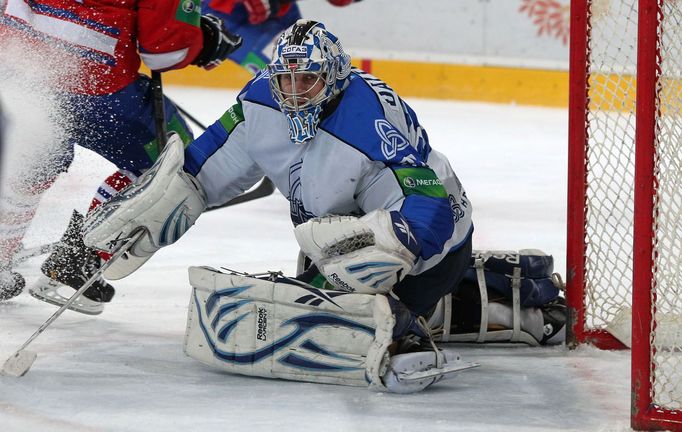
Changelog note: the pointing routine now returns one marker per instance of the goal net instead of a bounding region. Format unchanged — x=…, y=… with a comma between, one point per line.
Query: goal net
x=624, y=248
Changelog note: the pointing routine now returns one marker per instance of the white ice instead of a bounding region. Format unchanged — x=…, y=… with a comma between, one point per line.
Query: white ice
x=125, y=370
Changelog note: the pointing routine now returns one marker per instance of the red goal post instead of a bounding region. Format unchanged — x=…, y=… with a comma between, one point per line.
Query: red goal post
x=624, y=249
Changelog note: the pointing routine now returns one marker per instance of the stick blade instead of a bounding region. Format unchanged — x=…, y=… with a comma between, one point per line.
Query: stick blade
x=19, y=363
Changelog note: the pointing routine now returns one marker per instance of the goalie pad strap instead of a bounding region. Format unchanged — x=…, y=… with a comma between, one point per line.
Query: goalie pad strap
x=447, y=319
x=484, y=300
x=516, y=304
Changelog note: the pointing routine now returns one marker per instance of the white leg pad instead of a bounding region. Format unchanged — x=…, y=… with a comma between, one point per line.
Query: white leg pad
x=258, y=327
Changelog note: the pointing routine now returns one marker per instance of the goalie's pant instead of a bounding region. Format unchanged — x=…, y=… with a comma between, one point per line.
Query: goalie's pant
x=422, y=292
x=276, y=329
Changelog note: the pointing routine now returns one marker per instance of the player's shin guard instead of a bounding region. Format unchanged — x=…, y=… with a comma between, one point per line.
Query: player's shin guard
x=279, y=329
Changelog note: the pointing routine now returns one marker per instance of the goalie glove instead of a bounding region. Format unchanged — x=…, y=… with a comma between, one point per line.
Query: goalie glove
x=165, y=202
x=367, y=255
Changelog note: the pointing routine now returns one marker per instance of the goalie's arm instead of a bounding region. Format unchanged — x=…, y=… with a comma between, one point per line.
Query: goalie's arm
x=219, y=161
x=419, y=196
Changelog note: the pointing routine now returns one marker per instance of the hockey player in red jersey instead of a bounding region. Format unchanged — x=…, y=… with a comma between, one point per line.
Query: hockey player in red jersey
x=259, y=23
x=106, y=106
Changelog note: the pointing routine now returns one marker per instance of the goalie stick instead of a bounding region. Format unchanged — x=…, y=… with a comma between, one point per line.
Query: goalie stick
x=21, y=361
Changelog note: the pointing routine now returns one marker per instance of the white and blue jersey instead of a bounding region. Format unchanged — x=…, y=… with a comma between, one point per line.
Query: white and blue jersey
x=370, y=152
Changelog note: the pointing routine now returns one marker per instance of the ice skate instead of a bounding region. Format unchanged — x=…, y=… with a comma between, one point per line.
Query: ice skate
x=11, y=284
x=69, y=265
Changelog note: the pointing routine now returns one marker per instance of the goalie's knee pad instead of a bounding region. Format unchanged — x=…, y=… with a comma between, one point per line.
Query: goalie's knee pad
x=362, y=255
x=165, y=202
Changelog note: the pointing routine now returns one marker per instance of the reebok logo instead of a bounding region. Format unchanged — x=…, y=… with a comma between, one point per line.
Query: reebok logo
x=262, y=333
x=338, y=283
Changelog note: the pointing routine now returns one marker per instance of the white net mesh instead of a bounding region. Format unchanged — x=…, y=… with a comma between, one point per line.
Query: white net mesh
x=610, y=155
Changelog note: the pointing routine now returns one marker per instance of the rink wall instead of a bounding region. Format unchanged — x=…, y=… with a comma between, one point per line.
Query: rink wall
x=506, y=51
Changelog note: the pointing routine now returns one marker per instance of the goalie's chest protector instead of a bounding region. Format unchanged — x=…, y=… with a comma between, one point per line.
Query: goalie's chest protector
x=319, y=177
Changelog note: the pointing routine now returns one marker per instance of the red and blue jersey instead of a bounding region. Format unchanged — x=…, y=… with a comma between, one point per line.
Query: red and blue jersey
x=106, y=39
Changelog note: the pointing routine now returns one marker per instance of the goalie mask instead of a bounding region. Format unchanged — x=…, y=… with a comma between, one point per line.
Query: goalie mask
x=309, y=68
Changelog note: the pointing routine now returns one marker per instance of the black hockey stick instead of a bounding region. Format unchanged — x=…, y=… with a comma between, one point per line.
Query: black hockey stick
x=189, y=116
x=264, y=188
x=159, y=111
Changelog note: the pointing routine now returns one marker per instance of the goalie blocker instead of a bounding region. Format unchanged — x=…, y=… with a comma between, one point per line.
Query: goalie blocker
x=277, y=327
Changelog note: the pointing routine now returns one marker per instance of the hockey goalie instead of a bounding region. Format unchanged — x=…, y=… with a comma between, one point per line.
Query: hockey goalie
x=382, y=221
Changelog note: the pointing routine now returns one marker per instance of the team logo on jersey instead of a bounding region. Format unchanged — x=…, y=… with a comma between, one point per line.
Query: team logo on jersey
x=458, y=207
x=188, y=6
x=391, y=140
x=298, y=212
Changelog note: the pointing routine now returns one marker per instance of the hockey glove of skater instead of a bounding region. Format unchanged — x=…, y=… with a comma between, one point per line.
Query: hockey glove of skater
x=260, y=10
x=367, y=255
x=164, y=202
x=218, y=43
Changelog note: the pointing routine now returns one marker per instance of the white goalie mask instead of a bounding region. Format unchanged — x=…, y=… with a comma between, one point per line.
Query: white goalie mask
x=309, y=68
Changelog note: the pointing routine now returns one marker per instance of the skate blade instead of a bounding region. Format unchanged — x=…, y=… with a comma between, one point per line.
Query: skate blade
x=47, y=290
x=445, y=372
x=19, y=363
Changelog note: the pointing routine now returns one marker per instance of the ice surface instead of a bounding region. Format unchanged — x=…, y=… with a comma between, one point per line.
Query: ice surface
x=125, y=371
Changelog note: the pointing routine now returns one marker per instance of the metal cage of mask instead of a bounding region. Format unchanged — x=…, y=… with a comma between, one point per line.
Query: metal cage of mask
x=297, y=99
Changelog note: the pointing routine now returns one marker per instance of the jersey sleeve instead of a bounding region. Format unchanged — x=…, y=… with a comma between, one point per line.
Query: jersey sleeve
x=386, y=130
x=169, y=33
x=420, y=197
x=219, y=161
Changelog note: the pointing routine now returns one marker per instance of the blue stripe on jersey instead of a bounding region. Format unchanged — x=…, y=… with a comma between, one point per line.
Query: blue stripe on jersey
x=423, y=147
x=258, y=91
x=202, y=148
x=431, y=222
x=371, y=133
x=62, y=13
x=91, y=55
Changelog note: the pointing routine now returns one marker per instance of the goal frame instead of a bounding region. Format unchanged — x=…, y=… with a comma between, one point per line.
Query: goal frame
x=645, y=414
